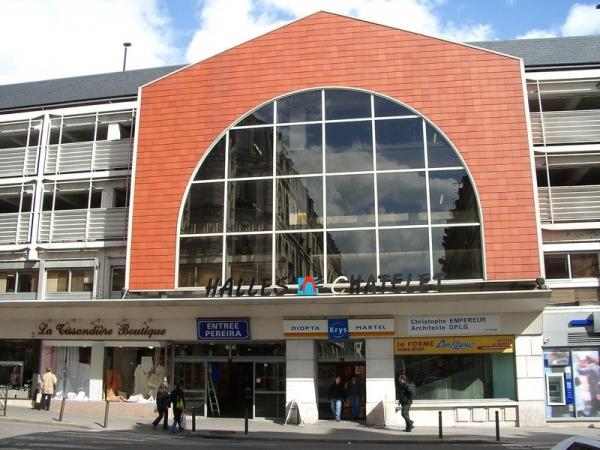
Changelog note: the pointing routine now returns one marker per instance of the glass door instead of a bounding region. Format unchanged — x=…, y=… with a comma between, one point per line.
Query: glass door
x=192, y=376
x=269, y=389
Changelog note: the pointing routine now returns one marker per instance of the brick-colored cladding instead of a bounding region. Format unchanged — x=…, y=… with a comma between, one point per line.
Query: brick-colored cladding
x=475, y=97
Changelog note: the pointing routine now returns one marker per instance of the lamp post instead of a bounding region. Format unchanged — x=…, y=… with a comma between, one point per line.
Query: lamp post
x=125, y=46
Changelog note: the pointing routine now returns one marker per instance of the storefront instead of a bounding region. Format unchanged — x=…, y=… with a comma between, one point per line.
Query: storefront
x=572, y=363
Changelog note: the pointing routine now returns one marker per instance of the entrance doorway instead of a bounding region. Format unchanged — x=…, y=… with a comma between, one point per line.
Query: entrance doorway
x=234, y=387
x=327, y=371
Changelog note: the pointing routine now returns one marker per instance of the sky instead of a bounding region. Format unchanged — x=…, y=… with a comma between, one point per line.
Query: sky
x=45, y=39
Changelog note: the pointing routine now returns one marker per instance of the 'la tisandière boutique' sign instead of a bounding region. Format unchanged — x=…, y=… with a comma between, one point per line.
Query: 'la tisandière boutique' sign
x=99, y=330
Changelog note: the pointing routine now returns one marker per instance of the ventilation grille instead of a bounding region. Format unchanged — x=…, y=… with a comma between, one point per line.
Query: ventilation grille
x=583, y=338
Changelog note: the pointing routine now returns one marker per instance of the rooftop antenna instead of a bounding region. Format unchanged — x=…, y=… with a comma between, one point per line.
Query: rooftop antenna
x=125, y=45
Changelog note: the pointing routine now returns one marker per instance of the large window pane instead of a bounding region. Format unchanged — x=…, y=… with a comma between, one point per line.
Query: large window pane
x=299, y=203
x=299, y=149
x=387, y=108
x=350, y=201
x=584, y=265
x=457, y=252
x=402, y=198
x=349, y=147
x=301, y=107
x=213, y=166
x=250, y=205
x=399, y=144
x=345, y=104
x=298, y=255
x=82, y=280
x=8, y=282
x=200, y=259
x=57, y=281
x=439, y=152
x=404, y=251
x=203, y=210
x=452, y=197
x=251, y=152
x=249, y=257
x=351, y=253
x=557, y=266
x=261, y=116
x=27, y=281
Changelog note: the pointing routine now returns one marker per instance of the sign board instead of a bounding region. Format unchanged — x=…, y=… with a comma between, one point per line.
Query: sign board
x=357, y=328
x=452, y=345
x=452, y=325
x=223, y=329
x=337, y=329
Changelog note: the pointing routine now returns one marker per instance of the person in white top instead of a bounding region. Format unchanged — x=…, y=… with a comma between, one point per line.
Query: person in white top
x=48, y=383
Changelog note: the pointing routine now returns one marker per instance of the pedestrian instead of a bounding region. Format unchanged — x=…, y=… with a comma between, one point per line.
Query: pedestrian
x=163, y=398
x=354, y=391
x=337, y=395
x=36, y=401
x=178, y=402
x=48, y=384
x=405, y=395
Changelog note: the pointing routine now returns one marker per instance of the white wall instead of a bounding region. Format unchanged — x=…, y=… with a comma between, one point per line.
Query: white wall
x=301, y=375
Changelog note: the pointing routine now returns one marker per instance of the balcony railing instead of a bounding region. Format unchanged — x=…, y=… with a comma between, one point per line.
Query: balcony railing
x=83, y=157
x=18, y=161
x=561, y=204
x=14, y=228
x=565, y=127
x=82, y=225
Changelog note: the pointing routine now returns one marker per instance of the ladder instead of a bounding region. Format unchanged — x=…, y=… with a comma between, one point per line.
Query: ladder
x=213, y=400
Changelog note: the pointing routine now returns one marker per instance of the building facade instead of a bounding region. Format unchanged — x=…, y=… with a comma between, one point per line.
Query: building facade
x=254, y=229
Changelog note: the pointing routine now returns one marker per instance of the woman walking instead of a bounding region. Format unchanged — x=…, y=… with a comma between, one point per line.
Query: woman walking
x=178, y=403
x=163, y=398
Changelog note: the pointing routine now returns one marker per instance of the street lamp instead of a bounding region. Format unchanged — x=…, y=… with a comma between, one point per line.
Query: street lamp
x=125, y=46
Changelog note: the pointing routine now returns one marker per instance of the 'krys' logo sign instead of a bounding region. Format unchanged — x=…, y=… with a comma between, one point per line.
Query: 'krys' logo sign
x=338, y=329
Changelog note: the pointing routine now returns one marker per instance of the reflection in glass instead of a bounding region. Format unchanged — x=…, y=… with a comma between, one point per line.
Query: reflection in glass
x=350, y=201
x=298, y=255
x=387, y=108
x=404, y=251
x=251, y=152
x=351, y=253
x=299, y=203
x=439, y=152
x=346, y=104
x=299, y=149
x=452, y=197
x=200, y=258
x=213, y=166
x=402, y=198
x=584, y=265
x=82, y=280
x=399, y=144
x=557, y=265
x=301, y=107
x=250, y=205
x=249, y=257
x=349, y=146
x=203, y=210
x=457, y=252
x=262, y=116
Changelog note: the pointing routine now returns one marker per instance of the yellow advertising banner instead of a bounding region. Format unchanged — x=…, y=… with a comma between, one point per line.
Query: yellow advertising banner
x=452, y=345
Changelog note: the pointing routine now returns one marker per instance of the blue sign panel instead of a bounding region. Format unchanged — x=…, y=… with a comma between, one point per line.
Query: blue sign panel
x=338, y=329
x=307, y=286
x=223, y=329
x=569, y=390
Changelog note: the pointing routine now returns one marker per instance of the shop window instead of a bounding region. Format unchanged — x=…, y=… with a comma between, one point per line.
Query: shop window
x=340, y=165
x=571, y=266
x=458, y=377
x=17, y=361
x=18, y=281
x=117, y=279
x=70, y=280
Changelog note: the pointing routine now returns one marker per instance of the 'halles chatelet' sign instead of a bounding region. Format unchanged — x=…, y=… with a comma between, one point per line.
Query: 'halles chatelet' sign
x=95, y=329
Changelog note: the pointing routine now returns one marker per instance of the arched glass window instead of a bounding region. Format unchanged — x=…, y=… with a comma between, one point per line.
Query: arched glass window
x=330, y=182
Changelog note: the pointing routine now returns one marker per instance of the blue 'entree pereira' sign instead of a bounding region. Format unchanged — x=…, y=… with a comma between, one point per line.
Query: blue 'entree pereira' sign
x=223, y=329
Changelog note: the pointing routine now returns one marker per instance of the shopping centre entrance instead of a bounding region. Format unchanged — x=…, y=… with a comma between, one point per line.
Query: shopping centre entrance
x=222, y=380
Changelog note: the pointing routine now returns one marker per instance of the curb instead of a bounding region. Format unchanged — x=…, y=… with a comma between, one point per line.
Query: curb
x=53, y=423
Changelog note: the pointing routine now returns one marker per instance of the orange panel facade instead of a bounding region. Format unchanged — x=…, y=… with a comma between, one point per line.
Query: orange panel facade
x=474, y=96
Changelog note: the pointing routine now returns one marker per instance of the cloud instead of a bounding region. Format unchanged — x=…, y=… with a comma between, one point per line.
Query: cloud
x=246, y=19
x=535, y=34
x=582, y=20
x=43, y=40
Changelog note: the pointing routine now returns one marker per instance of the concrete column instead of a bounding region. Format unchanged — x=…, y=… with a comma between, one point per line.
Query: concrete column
x=96, y=371
x=530, y=381
x=381, y=392
x=301, y=378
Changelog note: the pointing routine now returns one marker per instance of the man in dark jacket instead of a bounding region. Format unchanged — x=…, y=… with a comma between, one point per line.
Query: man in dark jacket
x=405, y=396
x=163, y=398
x=354, y=391
x=178, y=403
x=337, y=395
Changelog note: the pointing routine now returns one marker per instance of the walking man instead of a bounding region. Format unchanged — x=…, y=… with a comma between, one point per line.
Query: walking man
x=48, y=383
x=405, y=396
x=337, y=395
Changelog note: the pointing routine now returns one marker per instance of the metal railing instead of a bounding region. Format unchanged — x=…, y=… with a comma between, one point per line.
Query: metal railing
x=88, y=156
x=565, y=127
x=18, y=161
x=14, y=228
x=569, y=203
x=83, y=225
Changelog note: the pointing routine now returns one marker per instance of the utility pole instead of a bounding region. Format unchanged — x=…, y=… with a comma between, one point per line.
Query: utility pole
x=125, y=46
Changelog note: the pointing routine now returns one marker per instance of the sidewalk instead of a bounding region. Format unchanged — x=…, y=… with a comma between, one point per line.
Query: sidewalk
x=323, y=431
